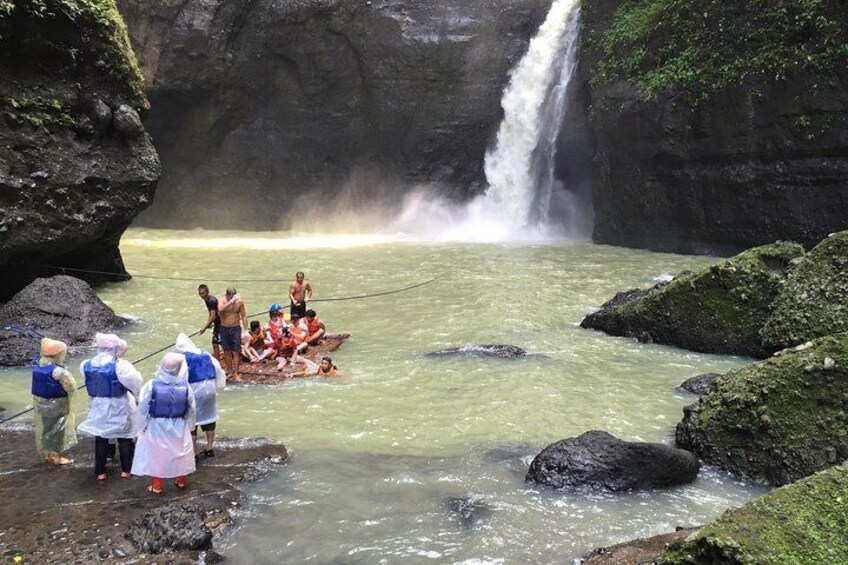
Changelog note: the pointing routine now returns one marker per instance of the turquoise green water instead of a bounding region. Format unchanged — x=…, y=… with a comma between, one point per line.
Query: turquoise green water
x=374, y=460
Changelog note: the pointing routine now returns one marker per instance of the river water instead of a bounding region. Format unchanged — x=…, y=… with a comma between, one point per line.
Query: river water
x=375, y=462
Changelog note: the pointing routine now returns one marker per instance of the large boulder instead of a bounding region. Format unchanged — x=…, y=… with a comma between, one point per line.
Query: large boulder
x=814, y=300
x=175, y=527
x=719, y=309
x=598, y=460
x=777, y=420
x=71, y=179
x=801, y=523
x=60, y=307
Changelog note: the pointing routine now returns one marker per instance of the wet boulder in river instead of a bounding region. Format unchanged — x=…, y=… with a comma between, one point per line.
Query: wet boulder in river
x=468, y=511
x=177, y=526
x=598, y=460
x=699, y=383
x=59, y=307
x=719, y=309
x=472, y=350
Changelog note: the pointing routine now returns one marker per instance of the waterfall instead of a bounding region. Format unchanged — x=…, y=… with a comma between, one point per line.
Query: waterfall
x=520, y=168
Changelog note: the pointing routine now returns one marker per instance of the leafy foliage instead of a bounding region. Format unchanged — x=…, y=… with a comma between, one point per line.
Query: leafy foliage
x=704, y=45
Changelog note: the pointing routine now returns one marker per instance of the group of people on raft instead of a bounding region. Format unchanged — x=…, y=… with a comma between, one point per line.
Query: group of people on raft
x=152, y=427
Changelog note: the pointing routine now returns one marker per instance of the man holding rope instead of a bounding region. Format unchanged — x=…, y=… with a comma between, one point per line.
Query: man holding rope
x=214, y=319
x=300, y=292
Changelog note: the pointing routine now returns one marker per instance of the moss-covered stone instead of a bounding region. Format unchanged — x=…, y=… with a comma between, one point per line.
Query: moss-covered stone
x=801, y=524
x=777, y=420
x=720, y=309
x=814, y=300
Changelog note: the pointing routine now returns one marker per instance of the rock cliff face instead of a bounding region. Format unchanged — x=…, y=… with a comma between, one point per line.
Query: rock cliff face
x=255, y=102
x=76, y=165
x=760, y=159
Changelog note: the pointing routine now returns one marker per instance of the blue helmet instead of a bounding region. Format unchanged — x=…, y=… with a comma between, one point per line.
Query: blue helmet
x=275, y=308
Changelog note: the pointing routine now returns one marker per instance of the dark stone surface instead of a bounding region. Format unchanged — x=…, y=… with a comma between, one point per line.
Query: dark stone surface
x=491, y=350
x=739, y=170
x=75, y=519
x=360, y=100
x=699, y=383
x=598, y=460
x=127, y=122
x=641, y=551
x=175, y=527
x=70, y=183
x=59, y=307
x=468, y=511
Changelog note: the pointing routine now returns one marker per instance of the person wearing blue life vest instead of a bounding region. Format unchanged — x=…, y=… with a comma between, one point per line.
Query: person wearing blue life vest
x=113, y=385
x=205, y=376
x=168, y=411
x=53, y=387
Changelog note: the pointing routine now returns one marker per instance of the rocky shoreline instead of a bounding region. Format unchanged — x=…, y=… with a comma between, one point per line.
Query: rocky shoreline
x=62, y=515
x=780, y=420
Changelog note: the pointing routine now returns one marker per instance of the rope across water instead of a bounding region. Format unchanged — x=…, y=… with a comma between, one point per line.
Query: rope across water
x=23, y=329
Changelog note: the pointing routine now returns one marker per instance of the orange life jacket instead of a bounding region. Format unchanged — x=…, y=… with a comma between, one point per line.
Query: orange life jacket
x=298, y=333
x=314, y=326
x=287, y=347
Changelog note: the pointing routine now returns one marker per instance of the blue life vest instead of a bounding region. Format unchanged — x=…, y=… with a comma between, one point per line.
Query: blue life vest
x=168, y=401
x=44, y=385
x=200, y=367
x=102, y=382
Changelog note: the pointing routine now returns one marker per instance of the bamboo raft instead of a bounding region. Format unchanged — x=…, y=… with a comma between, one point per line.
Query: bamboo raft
x=266, y=373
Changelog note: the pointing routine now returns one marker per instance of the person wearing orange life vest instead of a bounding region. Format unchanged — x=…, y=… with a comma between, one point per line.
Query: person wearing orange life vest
x=315, y=329
x=274, y=327
x=299, y=333
x=286, y=349
x=325, y=369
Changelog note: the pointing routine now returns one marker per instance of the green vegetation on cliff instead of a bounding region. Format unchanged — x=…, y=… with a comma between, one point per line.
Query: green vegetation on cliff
x=720, y=309
x=802, y=524
x=704, y=45
x=814, y=300
x=82, y=43
x=779, y=420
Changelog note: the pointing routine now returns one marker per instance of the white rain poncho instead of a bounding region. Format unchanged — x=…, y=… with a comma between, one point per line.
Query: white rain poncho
x=55, y=431
x=113, y=418
x=205, y=392
x=165, y=448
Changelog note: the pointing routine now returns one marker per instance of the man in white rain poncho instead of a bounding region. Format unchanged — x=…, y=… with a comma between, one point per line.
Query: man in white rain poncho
x=113, y=385
x=53, y=387
x=168, y=412
x=205, y=376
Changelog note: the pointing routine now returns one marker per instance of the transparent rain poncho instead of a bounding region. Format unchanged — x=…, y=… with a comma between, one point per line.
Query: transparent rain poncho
x=55, y=431
x=165, y=448
x=205, y=392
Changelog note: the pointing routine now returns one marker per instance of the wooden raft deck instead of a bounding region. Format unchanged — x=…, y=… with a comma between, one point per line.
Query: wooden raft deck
x=266, y=373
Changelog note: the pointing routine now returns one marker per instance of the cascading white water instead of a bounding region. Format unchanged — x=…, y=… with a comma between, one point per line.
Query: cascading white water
x=520, y=168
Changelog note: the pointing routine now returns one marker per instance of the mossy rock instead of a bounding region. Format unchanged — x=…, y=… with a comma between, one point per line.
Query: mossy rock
x=801, y=524
x=720, y=309
x=814, y=300
x=777, y=420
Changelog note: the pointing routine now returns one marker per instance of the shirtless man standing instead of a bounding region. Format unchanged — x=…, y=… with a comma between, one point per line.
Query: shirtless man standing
x=300, y=292
x=232, y=312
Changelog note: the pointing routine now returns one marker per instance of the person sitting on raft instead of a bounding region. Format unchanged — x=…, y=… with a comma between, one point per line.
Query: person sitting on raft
x=168, y=411
x=315, y=329
x=299, y=333
x=286, y=349
x=205, y=377
x=53, y=387
x=257, y=348
x=274, y=327
x=114, y=386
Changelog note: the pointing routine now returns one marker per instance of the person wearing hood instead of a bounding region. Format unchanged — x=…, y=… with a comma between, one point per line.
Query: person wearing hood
x=114, y=386
x=205, y=376
x=53, y=387
x=168, y=412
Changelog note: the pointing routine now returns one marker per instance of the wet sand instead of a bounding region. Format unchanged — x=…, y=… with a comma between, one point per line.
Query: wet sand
x=63, y=515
